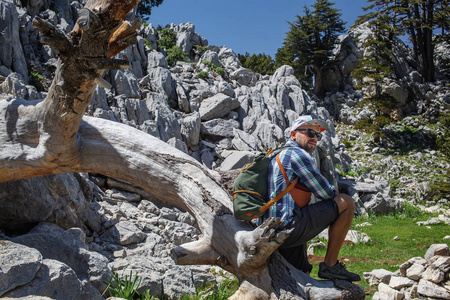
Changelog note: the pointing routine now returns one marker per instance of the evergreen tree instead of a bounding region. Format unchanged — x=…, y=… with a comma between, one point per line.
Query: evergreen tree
x=259, y=63
x=442, y=20
x=144, y=8
x=417, y=19
x=309, y=43
x=377, y=61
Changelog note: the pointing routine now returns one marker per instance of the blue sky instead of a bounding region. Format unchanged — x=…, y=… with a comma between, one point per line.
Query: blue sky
x=253, y=26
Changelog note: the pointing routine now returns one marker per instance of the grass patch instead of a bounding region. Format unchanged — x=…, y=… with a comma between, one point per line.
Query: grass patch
x=123, y=286
x=383, y=251
x=215, y=292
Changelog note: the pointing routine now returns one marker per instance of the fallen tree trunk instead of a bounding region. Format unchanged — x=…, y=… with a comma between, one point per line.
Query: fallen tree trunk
x=52, y=136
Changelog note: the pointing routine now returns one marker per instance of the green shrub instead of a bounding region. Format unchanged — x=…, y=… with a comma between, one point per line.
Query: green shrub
x=347, y=143
x=220, y=71
x=409, y=129
x=380, y=103
x=209, y=64
x=203, y=75
x=201, y=48
x=375, y=127
x=167, y=38
x=214, y=68
x=394, y=183
x=175, y=54
x=383, y=120
x=37, y=81
x=443, y=141
x=123, y=287
x=147, y=43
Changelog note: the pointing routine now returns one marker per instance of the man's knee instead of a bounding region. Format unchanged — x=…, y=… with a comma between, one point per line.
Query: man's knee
x=344, y=202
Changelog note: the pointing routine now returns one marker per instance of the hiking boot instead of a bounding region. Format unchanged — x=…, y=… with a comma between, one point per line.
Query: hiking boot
x=338, y=271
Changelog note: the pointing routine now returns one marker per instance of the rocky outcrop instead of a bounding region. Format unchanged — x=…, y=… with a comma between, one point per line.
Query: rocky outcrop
x=12, y=58
x=64, y=200
x=405, y=85
x=418, y=278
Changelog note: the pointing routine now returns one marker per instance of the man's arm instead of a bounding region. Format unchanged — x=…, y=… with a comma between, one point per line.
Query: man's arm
x=305, y=168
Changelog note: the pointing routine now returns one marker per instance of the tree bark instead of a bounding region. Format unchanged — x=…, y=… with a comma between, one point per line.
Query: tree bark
x=52, y=136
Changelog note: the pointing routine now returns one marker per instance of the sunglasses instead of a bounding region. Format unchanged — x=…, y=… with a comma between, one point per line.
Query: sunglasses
x=311, y=133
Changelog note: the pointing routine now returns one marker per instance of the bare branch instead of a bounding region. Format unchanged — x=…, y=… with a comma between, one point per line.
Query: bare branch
x=51, y=35
x=123, y=37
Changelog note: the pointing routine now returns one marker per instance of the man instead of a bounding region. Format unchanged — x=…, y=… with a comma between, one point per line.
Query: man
x=308, y=220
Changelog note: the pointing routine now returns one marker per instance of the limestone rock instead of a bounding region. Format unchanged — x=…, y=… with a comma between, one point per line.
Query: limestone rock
x=400, y=282
x=190, y=129
x=68, y=247
x=123, y=233
x=352, y=237
x=57, y=281
x=392, y=293
x=237, y=160
x=429, y=289
x=19, y=265
x=12, y=55
x=437, y=249
x=377, y=276
x=415, y=272
x=415, y=260
x=38, y=200
x=217, y=106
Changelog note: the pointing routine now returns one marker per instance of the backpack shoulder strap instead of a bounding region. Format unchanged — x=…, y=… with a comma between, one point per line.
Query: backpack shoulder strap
x=283, y=193
x=284, y=172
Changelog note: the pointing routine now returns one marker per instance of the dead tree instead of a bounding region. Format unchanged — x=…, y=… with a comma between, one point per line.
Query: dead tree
x=53, y=136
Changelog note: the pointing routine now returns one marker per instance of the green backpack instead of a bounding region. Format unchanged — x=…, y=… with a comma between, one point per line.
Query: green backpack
x=250, y=188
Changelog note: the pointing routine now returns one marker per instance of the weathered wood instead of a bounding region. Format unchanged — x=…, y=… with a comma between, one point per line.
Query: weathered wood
x=53, y=136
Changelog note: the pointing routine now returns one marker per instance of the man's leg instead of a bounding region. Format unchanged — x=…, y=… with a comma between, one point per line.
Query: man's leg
x=298, y=257
x=339, y=228
x=307, y=223
x=331, y=268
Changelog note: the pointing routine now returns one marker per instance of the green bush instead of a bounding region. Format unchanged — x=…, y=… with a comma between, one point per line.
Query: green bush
x=147, y=43
x=347, y=143
x=220, y=71
x=167, y=38
x=37, y=81
x=409, y=129
x=209, y=64
x=375, y=126
x=175, y=54
x=201, y=48
x=394, y=183
x=380, y=103
x=214, y=68
x=203, y=75
x=443, y=141
x=440, y=189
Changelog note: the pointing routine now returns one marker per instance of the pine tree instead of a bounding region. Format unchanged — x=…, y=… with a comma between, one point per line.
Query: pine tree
x=144, y=8
x=259, y=63
x=377, y=61
x=309, y=43
x=417, y=19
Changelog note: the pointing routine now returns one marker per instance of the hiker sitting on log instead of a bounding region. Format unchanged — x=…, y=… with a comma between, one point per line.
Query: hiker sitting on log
x=308, y=220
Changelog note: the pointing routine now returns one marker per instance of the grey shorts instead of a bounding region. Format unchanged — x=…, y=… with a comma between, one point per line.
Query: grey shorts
x=309, y=221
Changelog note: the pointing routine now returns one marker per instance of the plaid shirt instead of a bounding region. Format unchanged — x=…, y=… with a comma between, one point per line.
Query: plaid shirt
x=297, y=163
